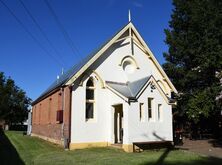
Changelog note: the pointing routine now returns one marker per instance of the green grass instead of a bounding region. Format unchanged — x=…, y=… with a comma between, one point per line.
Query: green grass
x=18, y=149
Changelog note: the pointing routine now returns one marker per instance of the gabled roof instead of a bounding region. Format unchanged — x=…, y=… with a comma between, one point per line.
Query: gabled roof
x=77, y=70
x=116, y=37
x=129, y=89
x=133, y=90
x=72, y=71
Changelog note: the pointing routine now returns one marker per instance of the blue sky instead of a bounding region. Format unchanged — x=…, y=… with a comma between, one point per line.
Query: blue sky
x=88, y=23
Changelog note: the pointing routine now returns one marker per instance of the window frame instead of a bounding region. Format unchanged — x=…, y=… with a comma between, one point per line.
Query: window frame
x=40, y=109
x=159, y=112
x=150, y=114
x=141, y=112
x=49, y=110
x=90, y=101
x=59, y=116
x=34, y=115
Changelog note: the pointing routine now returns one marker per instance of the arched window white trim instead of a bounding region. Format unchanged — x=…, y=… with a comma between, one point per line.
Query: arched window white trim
x=130, y=59
x=96, y=76
x=129, y=64
x=90, y=99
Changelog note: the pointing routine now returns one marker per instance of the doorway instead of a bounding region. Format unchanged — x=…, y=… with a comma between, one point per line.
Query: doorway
x=118, y=124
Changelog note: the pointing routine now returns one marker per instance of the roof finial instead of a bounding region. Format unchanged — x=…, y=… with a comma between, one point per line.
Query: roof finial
x=129, y=16
x=62, y=71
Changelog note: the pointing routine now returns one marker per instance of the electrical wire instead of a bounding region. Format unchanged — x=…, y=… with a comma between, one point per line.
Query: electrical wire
x=29, y=33
x=41, y=30
x=61, y=27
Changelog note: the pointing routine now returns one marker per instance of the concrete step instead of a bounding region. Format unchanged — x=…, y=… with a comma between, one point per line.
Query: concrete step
x=117, y=145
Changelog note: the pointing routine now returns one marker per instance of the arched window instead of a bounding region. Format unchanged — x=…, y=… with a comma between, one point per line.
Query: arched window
x=90, y=98
x=129, y=64
x=129, y=67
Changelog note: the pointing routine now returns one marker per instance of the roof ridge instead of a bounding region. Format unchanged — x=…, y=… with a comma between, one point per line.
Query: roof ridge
x=119, y=83
x=129, y=89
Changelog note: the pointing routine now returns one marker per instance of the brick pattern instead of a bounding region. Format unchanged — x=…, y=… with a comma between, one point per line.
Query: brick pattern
x=44, y=115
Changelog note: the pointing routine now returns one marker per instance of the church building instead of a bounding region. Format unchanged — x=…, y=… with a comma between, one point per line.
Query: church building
x=119, y=94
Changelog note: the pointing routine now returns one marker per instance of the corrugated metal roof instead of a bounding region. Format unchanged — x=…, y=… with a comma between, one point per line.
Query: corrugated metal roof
x=73, y=70
x=129, y=89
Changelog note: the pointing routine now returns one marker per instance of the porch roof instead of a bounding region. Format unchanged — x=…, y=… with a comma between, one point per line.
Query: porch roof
x=129, y=89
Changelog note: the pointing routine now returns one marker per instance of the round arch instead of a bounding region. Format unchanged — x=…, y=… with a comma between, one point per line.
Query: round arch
x=129, y=58
x=93, y=75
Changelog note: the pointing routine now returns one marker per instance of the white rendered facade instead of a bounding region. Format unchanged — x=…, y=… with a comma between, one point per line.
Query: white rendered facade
x=117, y=119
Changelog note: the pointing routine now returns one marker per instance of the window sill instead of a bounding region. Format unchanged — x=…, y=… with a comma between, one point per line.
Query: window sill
x=90, y=120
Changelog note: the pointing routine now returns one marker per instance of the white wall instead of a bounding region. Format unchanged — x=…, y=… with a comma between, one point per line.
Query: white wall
x=109, y=68
x=147, y=67
x=89, y=131
x=101, y=129
x=145, y=130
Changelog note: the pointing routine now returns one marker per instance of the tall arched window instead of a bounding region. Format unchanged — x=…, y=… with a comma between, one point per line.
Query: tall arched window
x=90, y=98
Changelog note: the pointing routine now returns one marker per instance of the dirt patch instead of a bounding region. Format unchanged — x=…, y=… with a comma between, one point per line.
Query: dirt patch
x=209, y=147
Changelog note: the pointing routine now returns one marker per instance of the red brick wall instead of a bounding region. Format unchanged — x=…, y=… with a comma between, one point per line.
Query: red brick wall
x=44, y=115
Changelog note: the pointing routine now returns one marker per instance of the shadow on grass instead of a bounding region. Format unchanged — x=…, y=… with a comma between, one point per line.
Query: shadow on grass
x=8, y=154
x=200, y=161
x=162, y=157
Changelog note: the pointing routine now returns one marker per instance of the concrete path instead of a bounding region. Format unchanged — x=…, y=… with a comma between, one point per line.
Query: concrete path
x=208, y=147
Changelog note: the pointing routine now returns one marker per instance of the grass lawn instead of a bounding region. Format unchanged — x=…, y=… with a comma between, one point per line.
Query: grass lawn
x=18, y=149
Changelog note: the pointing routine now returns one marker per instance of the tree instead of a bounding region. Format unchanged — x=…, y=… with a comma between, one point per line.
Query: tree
x=194, y=57
x=13, y=101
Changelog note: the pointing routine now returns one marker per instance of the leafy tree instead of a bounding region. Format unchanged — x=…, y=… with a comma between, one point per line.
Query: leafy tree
x=194, y=57
x=13, y=101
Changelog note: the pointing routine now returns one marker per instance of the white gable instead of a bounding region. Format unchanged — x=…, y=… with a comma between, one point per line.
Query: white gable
x=108, y=62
